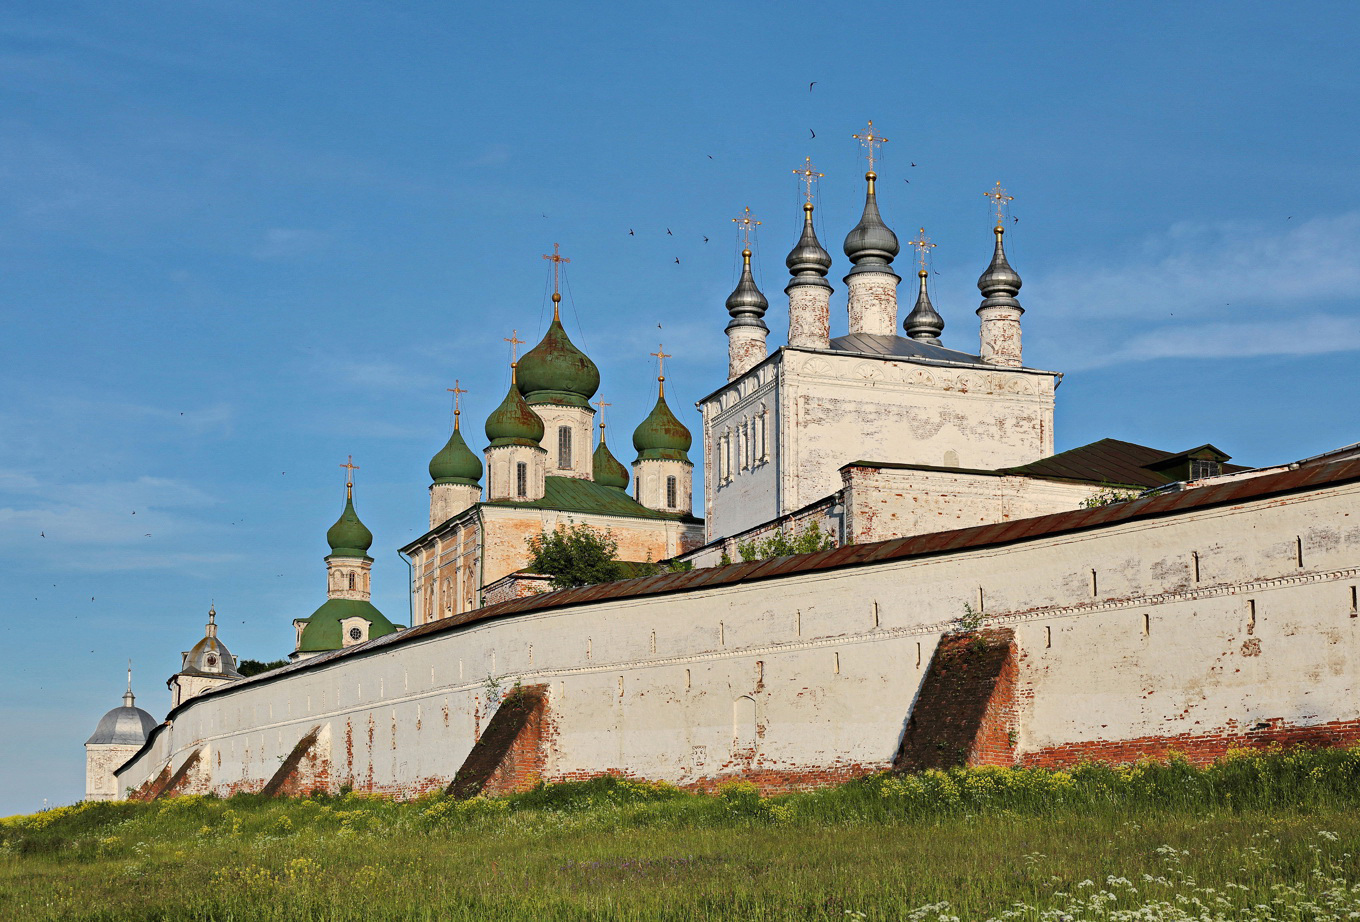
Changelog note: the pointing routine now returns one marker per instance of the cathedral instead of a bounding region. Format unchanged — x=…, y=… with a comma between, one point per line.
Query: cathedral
x=885, y=432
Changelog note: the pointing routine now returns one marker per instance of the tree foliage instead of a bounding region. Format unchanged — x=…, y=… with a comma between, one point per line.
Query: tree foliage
x=780, y=544
x=250, y=667
x=575, y=555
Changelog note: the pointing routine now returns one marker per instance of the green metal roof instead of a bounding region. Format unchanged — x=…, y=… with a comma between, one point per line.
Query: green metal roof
x=568, y=494
x=323, y=627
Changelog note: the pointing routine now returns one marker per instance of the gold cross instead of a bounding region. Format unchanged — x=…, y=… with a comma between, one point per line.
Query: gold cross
x=557, y=259
x=601, y=404
x=809, y=175
x=923, y=247
x=350, y=467
x=662, y=355
x=746, y=222
x=515, y=342
x=869, y=139
x=999, y=199
x=456, y=391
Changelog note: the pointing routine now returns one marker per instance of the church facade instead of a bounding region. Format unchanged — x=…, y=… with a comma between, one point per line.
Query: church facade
x=1178, y=616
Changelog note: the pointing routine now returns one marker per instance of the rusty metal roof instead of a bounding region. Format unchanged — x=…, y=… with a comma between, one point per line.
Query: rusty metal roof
x=1229, y=492
x=1111, y=461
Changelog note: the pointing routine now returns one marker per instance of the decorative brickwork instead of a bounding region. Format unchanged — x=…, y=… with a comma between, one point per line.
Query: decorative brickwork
x=166, y=784
x=510, y=754
x=965, y=713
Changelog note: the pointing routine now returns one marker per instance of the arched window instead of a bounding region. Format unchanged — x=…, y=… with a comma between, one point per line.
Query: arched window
x=351, y=579
x=671, y=492
x=564, y=448
x=521, y=479
x=951, y=458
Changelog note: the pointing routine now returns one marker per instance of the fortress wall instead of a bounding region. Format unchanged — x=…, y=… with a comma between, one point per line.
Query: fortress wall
x=810, y=677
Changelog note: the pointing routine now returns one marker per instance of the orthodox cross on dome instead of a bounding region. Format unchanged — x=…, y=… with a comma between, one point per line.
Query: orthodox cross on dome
x=923, y=247
x=746, y=223
x=661, y=356
x=350, y=467
x=601, y=404
x=869, y=139
x=999, y=199
x=515, y=342
x=457, y=392
x=557, y=259
x=810, y=176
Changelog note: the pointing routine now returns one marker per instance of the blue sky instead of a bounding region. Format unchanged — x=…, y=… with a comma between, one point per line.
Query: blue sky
x=240, y=241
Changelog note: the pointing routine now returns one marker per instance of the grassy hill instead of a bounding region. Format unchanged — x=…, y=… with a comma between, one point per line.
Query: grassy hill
x=1258, y=836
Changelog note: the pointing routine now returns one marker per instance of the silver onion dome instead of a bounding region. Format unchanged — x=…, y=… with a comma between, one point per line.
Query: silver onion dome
x=871, y=244
x=746, y=304
x=924, y=323
x=1000, y=283
x=808, y=262
x=123, y=726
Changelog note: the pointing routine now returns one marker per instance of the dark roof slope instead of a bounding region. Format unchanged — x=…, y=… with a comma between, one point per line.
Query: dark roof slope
x=899, y=347
x=1114, y=462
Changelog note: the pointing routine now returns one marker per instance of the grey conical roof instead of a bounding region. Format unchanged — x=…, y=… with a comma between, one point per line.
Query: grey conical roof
x=123, y=726
x=808, y=261
x=210, y=656
x=871, y=244
x=1000, y=283
x=924, y=324
x=746, y=304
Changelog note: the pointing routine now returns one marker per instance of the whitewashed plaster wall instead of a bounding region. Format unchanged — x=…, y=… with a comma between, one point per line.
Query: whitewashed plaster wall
x=1201, y=622
x=832, y=408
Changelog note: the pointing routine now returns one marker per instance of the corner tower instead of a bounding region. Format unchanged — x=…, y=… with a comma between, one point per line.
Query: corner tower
x=119, y=734
x=746, y=331
x=999, y=313
x=809, y=292
x=871, y=246
x=208, y=665
x=347, y=617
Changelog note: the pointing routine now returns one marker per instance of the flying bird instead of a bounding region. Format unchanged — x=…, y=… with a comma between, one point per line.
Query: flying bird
x=814, y=134
x=906, y=180
x=630, y=233
x=710, y=156
x=705, y=240
x=913, y=164
x=1015, y=219
x=668, y=232
x=811, y=85
x=42, y=534
x=677, y=260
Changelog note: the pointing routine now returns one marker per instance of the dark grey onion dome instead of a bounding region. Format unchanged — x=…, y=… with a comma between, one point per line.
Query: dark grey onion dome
x=808, y=262
x=1000, y=283
x=871, y=245
x=123, y=726
x=746, y=304
x=924, y=324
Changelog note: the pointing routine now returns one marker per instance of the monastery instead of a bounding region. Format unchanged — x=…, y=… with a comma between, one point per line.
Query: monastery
x=980, y=599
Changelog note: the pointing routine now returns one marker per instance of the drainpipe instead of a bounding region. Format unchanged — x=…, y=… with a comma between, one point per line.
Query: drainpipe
x=410, y=590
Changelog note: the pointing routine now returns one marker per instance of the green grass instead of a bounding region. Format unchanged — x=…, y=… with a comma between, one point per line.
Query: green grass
x=1257, y=836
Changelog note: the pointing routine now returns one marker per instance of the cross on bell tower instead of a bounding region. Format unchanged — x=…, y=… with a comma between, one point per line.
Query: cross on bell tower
x=869, y=140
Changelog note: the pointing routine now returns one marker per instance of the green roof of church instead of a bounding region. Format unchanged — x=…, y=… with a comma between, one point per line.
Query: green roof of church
x=570, y=494
x=607, y=469
x=323, y=627
x=662, y=436
x=455, y=462
x=349, y=537
x=555, y=371
x=514, y=422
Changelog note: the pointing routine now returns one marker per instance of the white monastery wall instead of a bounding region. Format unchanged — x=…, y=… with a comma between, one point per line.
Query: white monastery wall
x=1209, y=623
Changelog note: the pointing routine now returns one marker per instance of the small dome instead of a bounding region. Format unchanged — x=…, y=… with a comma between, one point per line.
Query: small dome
x=513, y=422
x=924, y=323
x=606, y=469
x=871, y=245
x=808, y=262
x=661, y=435
x=322, y=630
x=1000, y=278
x=123, y=726
x=210, y=657
x=349, y=537
x=555, y=371
x=455, y=463
x=746, y=304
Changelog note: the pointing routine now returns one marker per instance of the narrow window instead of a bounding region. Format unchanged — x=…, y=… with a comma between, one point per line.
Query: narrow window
x=837, y=663
x=1094, y=584
x=564, y=448
x=521, y=479
x=653, y=641
x=982, y=600
x=1298, y=550
x=1251, y=613
x=875, y=613
x=620, y=686
x=351, y=581
x=672, y=492
x=760, y=671
x=590, y=648
x=722, y=634
x=1147, y=624
x=1194, y=556
x=918, y=655
x=687, y=680
x=798, y=617
x=637, y=488
x=1355, y=609
x=1048, y=637
x=531, y=659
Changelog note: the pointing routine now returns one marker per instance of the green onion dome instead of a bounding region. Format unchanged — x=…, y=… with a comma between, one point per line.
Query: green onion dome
x=455, y=462
x=606, y=469
x=555, y=371
x=513, y=422
x=349, y=537
x=661, y=436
